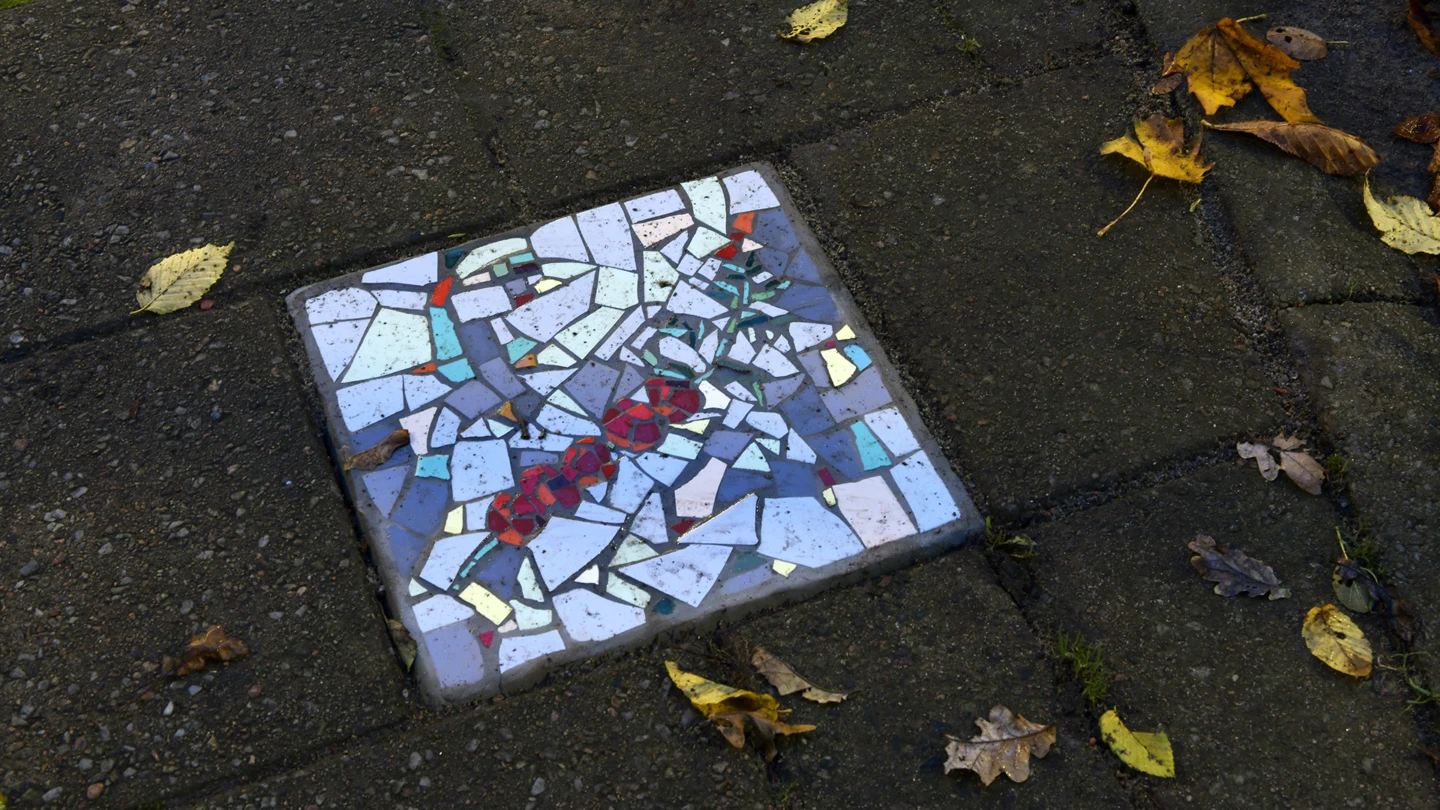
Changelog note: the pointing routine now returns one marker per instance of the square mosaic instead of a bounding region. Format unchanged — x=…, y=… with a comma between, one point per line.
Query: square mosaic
x=650, y=413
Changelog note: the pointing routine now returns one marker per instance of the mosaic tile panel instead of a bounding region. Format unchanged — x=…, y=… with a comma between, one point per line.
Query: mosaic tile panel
x=621, y=421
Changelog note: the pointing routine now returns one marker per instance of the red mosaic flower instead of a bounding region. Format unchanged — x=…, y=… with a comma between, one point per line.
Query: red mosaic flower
x=639, y=426
x=513, y=518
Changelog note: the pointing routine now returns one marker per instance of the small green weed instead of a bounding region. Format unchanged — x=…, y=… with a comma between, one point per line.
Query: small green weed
x=1422, y=694
x=1336, y=465
x=1360, y=545
x=1086, y=665
x=4, y=4
x=966, y=43
x=1018, y=546
x=785, y=794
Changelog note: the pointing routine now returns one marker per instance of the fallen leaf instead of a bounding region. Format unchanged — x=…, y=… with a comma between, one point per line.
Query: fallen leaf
x=177, y=281
x=1234, y=572
x=1166, y=84
x=1306, y=472
x=404, y=644
x=1423, y=27
x=729, y=708
x=380, y=453
x=787, y=681
x=214, y=645
x=1419, y=128
x=1297, y=43
x=1147, y=752
x=1334, y=639
x=1221, y=63
x=1405, y=223
x=1283, y=442
x=1328, y=149
x=1159, y=145
x=1352, y=587
x=1004, y=744
x=817, y=20
x=1261, y=453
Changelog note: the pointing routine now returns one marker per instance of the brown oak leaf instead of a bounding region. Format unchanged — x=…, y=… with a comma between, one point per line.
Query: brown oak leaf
x=1233, y=572
x=1004, y=745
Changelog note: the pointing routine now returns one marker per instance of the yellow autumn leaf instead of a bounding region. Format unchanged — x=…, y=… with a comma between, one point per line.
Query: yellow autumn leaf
x=1158, y=145
x=817, y=20
x=1146, y=752
x=1405, y=223
x=1337, y=641
x=1221, y=64
x=731, y=709
x=177, y=281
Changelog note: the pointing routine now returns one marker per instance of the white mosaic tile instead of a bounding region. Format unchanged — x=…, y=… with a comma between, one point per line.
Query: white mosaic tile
x=627, y=418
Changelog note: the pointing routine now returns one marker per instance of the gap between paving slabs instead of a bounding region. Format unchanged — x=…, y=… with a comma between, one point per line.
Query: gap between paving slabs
x=1256, y=721
x=163, y=481
x=583, y=97
x=1307, y=234
x=1059, y=364
x=927, y=650
x=345, y=134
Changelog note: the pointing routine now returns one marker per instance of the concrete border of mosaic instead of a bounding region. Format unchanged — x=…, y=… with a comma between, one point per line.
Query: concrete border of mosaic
x=802, y=584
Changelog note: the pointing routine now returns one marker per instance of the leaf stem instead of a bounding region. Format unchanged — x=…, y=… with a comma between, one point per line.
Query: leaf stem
x=1252, y=19
x=1127, y=210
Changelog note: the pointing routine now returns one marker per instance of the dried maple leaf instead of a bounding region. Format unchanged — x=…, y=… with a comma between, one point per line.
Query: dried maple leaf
x=214, y=645
x=1424, y=27
x=1330, y=150
x=1337, y=641
x=380, y=453
x=1147, y=752
x=1004, y=744
x=1405, y=223
x=729, y=708
x=1159, y=146
x=1222, y=63
x=1297, y=43
x=1234, y=572
x=787, y=681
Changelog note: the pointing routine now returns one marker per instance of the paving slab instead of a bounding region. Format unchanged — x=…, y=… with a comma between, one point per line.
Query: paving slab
x=629, y=95
x=1255, y=720
x=153, y=484
x=1374, y=373
x=673, y=388
x=926, y=651
x=1323, y=248
x=139, y=130
x=1056, y=361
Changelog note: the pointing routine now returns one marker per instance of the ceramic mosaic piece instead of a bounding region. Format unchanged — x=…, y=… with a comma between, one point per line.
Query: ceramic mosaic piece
x=646, y=414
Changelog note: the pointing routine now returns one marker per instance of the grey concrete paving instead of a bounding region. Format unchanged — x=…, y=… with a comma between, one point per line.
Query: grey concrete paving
x=1068, y=379
x=305, y=133
x=154, y=484
x=927, y=651
x=1306, y=234
x=1057, y=361
x=586, y=98
x=1375, y=373
x=1255, y=720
